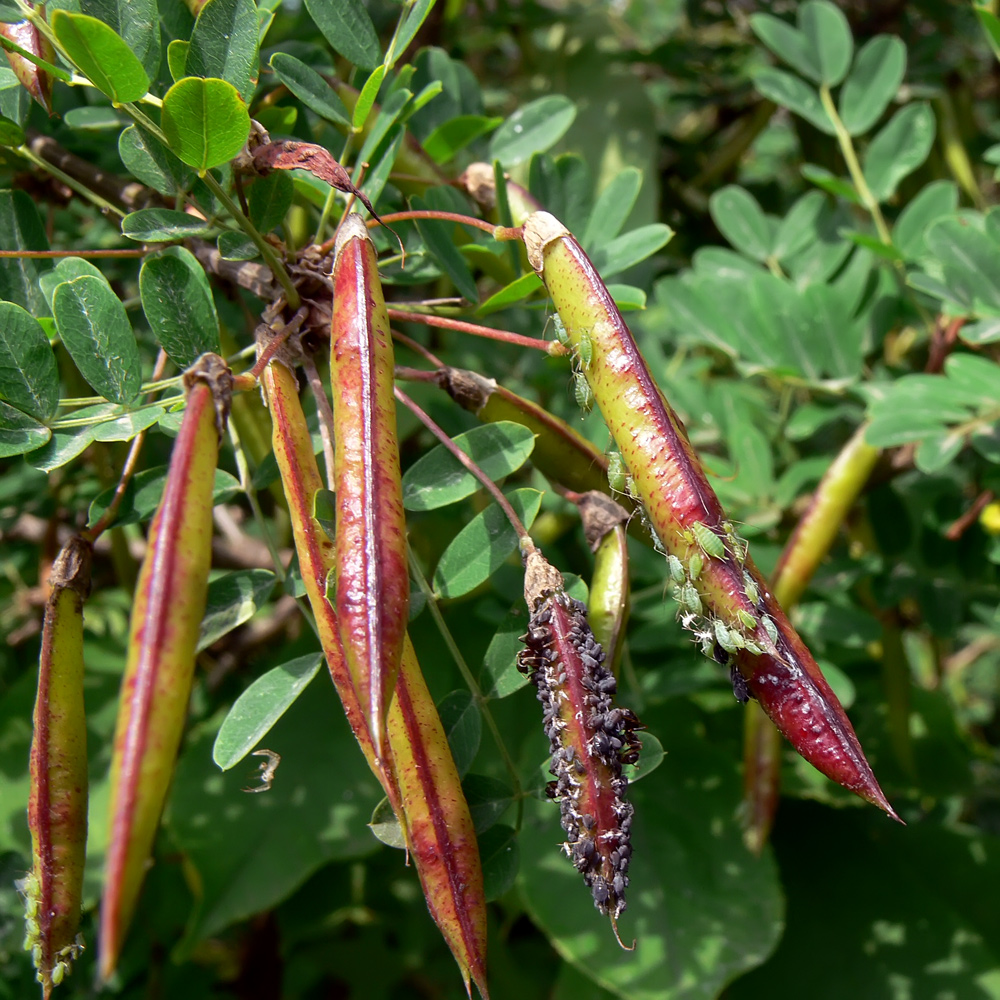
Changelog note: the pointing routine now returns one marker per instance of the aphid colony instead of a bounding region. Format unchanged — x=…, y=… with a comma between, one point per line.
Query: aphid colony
x=62, y=961
x=590, y=740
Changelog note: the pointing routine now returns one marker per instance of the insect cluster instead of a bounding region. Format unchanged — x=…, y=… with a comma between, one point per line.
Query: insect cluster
x=590, y=741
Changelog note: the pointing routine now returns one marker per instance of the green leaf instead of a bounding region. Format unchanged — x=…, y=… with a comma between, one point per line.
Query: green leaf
x=137, y=21
x=488, y=800
x=233, y=598
x=500, y=857
x=991, y=25
x=413, y=19
x=517, y=291
x=363, y=105
x=829, y=34
x=65, y=445
x=500, y=674
x=899, y=149
x=177, y=301
x=310, y=88
x=94, y=328
x=970, y=261
x=830, y=183
x=163, y=225
x=349, y=30
x=873, y=82
x=147, y=159
x=205, y=122
x=385, y=826
x=463, y=725
x=255, y=850
x=19, y=433
x=933, y=202
x=651, y=757
x=437, y=478
x=631, y=248
x=978, y=378
x=887, y=251
x=93, y=119
x=224, y=44
x=790, y=92
x=21, y=229
x=144, y=492
x=177, y=53
x=537, y=126
x=67, y=269
x=440, y=241
x=126, y=426
x=269, y=199
x=789, y=44
x=260, y=706
x=936, y=451
x=612, y=208
x=11, y=134
x=101, y=55
x=986, y=331
x=455, y=134
x=29, y=376
x=628, y=298
x=235, y=245
x=704, y=909
x=483, y=545
x=740, y=219
x=799, y=227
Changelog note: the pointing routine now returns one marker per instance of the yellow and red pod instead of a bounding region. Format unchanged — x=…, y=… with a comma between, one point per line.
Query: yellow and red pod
x=35, y=80
x=371, y=575
x=163, y=635
x=57, y=806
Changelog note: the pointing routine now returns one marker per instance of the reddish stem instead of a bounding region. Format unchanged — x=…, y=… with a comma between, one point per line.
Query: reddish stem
x=474, y=328
x=24, y=254
x=497, y=232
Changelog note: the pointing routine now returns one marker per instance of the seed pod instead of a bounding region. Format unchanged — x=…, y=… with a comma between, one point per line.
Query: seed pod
x=608, y=599
x=372, y=578
x=166, y=615
x=588, y=737
x=35, y=80
x=300, y=479
x=441, y=835
x=677, y=496
x=57, y=807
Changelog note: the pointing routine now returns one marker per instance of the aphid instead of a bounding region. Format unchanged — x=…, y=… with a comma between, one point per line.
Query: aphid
x=267, y=769
x=753, y=594
x=739, y=683
x=747, y=620
x=770, y=628
x=724, y=637
x=676, y=568
x=695, y=564
x=736, y=638
x=59, y=970
x=582, y=392
x=690, y=599
x=561, y=335
x=585, y=349
x=617, y=473
x=711, y=544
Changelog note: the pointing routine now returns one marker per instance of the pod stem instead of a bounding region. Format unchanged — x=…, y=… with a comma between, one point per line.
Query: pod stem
x=477, y=330
x=500, y=233
x=504, y=504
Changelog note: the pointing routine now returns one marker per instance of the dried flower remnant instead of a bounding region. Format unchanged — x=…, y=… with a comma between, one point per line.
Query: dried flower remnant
x=590, y=739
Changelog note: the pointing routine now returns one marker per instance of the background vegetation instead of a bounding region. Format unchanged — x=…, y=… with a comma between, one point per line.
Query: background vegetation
x=802, y=295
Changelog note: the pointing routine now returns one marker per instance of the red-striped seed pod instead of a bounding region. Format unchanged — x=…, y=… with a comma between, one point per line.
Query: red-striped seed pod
x=722, y=596
x=440, y=833
x=608, y=599
x=57, y=806
x=167, y=611
x=301, y=481
x=372, y=578
x=35, y=80
x=589, y=738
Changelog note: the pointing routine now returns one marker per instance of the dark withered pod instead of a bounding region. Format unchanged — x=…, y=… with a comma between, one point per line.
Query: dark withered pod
x=590, y=738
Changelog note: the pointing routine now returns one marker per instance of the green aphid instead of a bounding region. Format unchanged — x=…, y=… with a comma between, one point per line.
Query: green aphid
x=736, y=638
x=753, y=594
x=753, y=647
x=36, y=955
x=676, y=567
x=770, y=628
x=695, y=564
x=561, y=335
x=616, y=472
x=31, y=928
x=583, y=393
x=691, y=599
x=585, y=350
x=708, y=540
x=724, y=637
x=747, y=620
x=630, y=488
x=59, y=971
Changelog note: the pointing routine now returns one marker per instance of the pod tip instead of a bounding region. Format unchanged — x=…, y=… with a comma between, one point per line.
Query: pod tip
x=352, y=226
x=540, y=229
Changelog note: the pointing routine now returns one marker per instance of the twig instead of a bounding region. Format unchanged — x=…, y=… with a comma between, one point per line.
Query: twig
x=474, y=328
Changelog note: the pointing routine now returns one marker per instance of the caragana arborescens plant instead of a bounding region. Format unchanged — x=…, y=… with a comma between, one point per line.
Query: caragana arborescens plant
x=727, y=322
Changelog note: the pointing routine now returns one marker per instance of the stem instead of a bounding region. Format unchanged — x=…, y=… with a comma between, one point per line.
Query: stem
x=477, y=694
x=490, y=486
x=474, y=328
x=497, y=232
x=70, y=182
x=853, y=166
x=41, y=254
x=325, y=413
x=418, y=349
